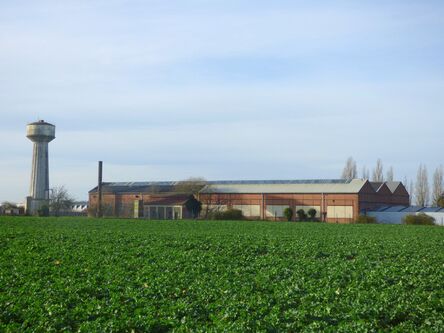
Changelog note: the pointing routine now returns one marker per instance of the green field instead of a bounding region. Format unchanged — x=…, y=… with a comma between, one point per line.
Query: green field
x=127, y=275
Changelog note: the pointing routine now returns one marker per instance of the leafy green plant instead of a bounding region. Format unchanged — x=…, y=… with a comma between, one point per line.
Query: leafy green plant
x=288, y=213
x=229, y=214
x=102, y=275
x=302, y=216
x=312, y=214
x=364, y=219
x=420, y=219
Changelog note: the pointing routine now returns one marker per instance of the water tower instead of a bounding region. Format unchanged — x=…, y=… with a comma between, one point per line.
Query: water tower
x=41, y=133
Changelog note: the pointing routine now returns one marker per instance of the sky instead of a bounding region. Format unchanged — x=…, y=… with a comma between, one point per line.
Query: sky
x=220, y=89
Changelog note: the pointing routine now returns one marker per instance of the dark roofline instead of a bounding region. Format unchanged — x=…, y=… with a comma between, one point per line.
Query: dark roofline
x=41, y=122
x=226, y=182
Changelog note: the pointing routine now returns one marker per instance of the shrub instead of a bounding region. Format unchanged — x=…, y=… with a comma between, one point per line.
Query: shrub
x=194, y=206
x=363, y=219
x=301, y=215
x=440, y=202
x=288, y=213
x=420, y=219
x=312, y=213
x=230, y=214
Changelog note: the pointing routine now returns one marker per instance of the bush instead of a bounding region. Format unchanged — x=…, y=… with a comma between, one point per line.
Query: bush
x=363, y=219
x=288, y=213
x=301, y=215
x=312, y=213
x=230, y=214
x=420, y=219
x=194, y=206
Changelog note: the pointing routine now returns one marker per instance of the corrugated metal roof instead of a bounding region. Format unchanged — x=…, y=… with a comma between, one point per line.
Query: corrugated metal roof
x=413, y=209
x=129, y=187
x=431, y=209
x=285, y=181
x=136, y=187
x=395, y=208
x=381, y=209
x=299, y=186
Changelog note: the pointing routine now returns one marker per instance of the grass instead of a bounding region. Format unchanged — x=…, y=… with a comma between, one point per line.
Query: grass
x=78, y=274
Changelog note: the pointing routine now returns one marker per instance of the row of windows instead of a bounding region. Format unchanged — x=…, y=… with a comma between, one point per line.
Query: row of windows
x=278, y=210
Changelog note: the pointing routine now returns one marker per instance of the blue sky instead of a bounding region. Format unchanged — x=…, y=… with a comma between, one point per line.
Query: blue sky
x=165, y=90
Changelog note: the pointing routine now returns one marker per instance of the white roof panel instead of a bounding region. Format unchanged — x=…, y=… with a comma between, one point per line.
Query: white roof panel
x=354, y=186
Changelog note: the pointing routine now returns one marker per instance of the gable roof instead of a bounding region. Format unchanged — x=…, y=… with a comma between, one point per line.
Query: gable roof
x=376, y=185
x=393, y=185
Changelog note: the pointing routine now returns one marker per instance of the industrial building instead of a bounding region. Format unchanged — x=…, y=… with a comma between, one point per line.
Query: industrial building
x=152, y=200
x=337, y=201
x=395, y=214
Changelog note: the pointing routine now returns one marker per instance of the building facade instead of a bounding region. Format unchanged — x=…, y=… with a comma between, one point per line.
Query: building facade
x=335, y=201
x=150, y=200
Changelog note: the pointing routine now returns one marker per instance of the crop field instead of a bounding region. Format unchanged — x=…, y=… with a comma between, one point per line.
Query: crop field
x=88, y=275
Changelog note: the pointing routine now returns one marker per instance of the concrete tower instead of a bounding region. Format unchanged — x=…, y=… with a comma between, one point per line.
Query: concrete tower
x=41, y=133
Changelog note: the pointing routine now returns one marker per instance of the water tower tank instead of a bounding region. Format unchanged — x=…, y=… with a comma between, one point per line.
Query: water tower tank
x=41, y=133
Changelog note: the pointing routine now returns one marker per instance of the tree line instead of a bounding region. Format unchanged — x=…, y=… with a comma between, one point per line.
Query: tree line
x=419, y=191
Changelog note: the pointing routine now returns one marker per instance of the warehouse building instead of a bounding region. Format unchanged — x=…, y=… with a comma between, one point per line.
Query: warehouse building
x=151, y=200
x=337, y=201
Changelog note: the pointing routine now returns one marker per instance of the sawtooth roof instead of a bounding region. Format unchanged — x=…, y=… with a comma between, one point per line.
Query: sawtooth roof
x=393, y=185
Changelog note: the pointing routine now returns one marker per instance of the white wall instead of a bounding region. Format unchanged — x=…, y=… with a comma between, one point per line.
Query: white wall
x=275, y=210
x=340, y=212
x=249, y=210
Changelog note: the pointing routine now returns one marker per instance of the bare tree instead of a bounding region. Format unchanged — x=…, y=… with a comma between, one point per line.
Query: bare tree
x=8, y=205
x=191, y=185
x=365, y=173
x=59, y=200
x=390, y=175
x=212, y=202
x=411, y=192
x=405, y=182
x=422, y=186
x=378, y=172
x=438, y=185
x=350, y=168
